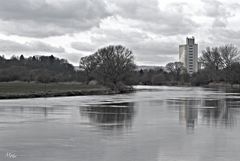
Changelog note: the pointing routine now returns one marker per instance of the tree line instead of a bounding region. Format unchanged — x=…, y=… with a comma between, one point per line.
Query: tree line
x=36, y=68
x=173, y=73
x=114, y=66
x=219, y=65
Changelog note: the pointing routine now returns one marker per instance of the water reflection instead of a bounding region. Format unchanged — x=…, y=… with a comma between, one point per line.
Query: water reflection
x=207, y=111
x=29, y=114
x=31, y=109
x=74, y=128
x=110, y=115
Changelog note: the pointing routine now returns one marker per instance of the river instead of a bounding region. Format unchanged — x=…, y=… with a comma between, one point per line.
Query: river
x=153, y=124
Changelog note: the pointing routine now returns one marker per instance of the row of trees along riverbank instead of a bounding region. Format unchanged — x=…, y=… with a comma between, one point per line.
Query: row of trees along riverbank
x=219, y=65
x=111, y=66
x=114, y=67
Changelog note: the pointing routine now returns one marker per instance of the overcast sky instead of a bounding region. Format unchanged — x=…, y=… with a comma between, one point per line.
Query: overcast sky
x=152, y=29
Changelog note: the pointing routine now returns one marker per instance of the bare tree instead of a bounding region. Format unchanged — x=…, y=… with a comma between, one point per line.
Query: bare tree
x=211, y=58
x=110, y=65
x=88, y=65
x=230, y=54
x=175, y=68
x=213, y=63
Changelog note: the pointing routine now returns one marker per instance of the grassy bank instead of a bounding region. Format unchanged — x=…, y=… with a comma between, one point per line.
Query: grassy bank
x=11, y=90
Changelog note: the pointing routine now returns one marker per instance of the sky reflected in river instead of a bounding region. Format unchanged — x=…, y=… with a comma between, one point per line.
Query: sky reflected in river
x=154, y=123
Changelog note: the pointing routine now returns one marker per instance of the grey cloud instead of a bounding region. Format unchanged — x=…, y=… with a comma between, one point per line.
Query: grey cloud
x=214, y=8
x=221, y=36
x=52, y=18
x=103, y=37
x=150, y=17
x=35, y=46
x=118, y=36
x=159, y=60
x=145, y=48
x=32, y=29
x=73, y=58
x=218, y=11
x=153, y=47
x=235, y=6
x=182, y=28
x=137, y=40
x=42, y=18
x=83, y=46
x=219, y=23
x=227, y=35
x=157, y=52
x=152, y=33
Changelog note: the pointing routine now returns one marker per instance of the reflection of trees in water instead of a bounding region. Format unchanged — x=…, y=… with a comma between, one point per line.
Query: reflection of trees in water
x=217, y=112
x=27, y=110
x=207, y=111
x=111, y=115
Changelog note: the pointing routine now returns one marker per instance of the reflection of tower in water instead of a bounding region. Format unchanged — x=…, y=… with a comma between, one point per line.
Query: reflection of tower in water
x=209, y=111
x=188, y=112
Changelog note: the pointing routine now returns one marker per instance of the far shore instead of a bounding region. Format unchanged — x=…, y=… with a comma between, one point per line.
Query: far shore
x=17, y=90
x=210, y=85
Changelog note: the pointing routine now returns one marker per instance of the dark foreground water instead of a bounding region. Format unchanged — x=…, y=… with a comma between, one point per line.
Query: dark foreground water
x=154, y=124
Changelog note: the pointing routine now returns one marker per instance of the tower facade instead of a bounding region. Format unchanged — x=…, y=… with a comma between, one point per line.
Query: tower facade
x=188, y=55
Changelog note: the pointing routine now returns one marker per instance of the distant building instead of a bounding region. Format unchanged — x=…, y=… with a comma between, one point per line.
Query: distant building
x=188, y=55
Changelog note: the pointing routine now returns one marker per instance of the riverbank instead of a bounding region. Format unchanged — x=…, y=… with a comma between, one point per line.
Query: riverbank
x=226, y=85
x=14, y=90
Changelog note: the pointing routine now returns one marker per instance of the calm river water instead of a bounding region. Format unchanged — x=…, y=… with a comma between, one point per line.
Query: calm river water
x=152, y=124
